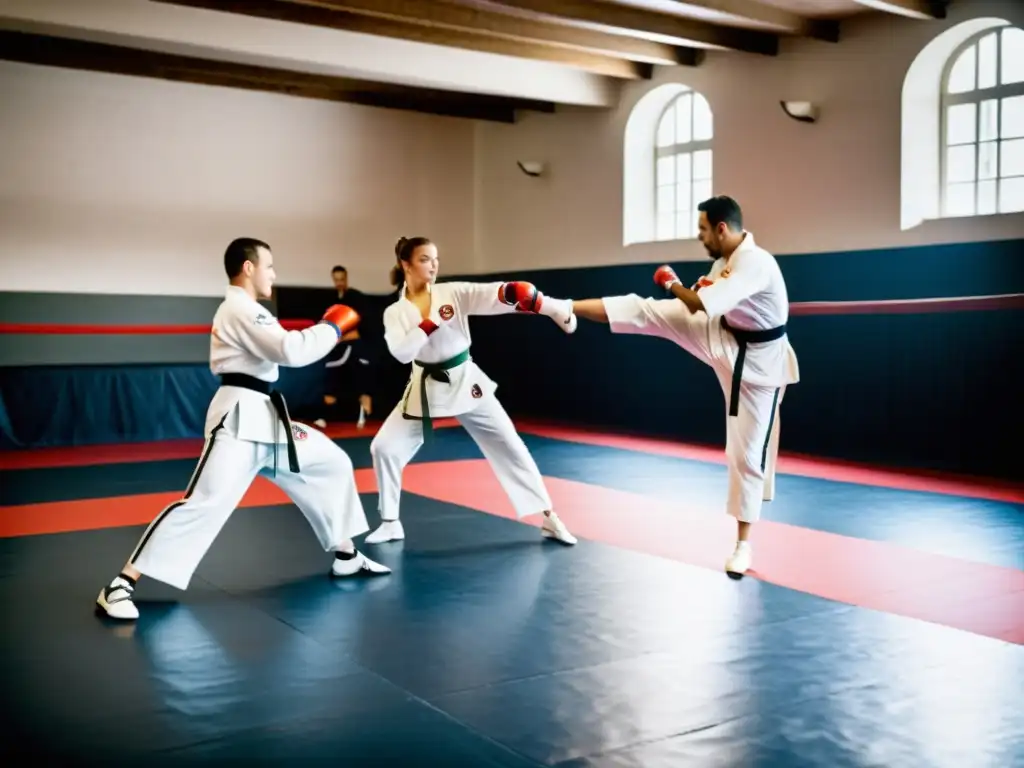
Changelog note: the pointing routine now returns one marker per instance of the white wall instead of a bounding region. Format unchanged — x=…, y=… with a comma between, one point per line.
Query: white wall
x=111, y=184
x=831, y=186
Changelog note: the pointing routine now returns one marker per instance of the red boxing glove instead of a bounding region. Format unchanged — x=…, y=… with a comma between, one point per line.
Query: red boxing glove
x=665, y=276
x=524, y=296
x=342, y=317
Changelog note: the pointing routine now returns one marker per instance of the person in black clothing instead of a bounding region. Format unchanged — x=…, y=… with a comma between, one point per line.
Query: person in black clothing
x=350, y=367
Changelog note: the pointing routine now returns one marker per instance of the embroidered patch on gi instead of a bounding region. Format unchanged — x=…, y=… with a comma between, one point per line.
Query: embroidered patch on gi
x=476, y=391
x=262, y=319
x=298, y=433
x=447, y=312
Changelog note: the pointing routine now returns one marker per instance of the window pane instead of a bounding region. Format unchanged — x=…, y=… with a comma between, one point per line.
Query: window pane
x=683, y=202
x=684, y=119
x=683, y=167
x=666, y=170
x=702, y=164
x=987, y=66
x=684, y=225
x=1013, y=56
x=989, y=128
x=1012, y=117
x=667, y=128
x=960, y=163
x=961, y=76
x=666, y=198
x=961, y=121
x=960, y=199
x=703, y=121
x=701, y=191
x=1011, y=195
x=1012, y=158
x=988, y=159
x=665, y=229
x=986, y=197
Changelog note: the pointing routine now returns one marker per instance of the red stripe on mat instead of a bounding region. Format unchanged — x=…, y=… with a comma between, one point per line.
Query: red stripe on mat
x=794, y=464
x=976, y=597
x=125, y=453
x=118, y=511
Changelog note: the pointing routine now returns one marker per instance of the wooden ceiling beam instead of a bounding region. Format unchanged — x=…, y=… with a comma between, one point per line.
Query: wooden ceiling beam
x=772, y=15
x=444, y=14
x=914, y=9
x=115, y=59
x=338, y=16
x=638, y=21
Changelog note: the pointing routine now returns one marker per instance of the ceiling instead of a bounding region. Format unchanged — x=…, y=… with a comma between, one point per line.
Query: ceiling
x=483, y=59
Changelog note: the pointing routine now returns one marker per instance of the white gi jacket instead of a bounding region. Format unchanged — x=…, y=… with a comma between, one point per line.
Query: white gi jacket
x=246, y=338
x=751, y=293
x=451, y=305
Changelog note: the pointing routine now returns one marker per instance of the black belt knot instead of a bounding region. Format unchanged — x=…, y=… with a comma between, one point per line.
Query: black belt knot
x=280, y=406
x=744, y=337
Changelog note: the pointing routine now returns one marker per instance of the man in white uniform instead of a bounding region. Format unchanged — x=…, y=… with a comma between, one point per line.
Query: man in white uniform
x=429, y=327
x=249, y=432
x=734, y=319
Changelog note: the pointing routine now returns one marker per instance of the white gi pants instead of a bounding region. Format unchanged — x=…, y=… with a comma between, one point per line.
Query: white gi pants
x=752, y=436
x=324, y=490
x=492, y=430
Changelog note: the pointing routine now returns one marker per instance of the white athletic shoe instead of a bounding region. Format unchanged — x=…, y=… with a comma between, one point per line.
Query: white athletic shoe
x=389, y=530
x=554, y=528
x=360, y=565
x=115, y=600
x=740, y=560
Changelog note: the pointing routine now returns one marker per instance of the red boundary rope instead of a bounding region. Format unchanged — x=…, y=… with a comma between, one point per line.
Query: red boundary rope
x=885, y=307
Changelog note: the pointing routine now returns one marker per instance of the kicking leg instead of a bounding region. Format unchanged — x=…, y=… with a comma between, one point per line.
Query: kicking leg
x=748, y=447
x=392, y=448
x=662, y=318
x=176, y=541
x=495, y=434
x=325, y=492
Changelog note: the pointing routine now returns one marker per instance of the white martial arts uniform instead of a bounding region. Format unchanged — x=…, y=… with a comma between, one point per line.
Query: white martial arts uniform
x=750, y=293
x=467, y=396
x=246, y=437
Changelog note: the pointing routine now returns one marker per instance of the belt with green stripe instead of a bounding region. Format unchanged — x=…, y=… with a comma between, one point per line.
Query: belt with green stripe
x=438, y=372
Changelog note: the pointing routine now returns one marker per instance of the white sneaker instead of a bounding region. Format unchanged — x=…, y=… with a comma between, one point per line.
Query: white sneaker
x=740, y=560
x=360, y=565
x=389, y=530
x=554, y=528
x=115, y=600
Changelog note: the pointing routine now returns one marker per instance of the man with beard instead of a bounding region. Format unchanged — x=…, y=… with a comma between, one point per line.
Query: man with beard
x=734, y=320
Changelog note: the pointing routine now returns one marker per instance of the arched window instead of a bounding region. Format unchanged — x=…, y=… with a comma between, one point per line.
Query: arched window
x=963, y=124
x=683, y=171
x=983, y=125
x=667, y=167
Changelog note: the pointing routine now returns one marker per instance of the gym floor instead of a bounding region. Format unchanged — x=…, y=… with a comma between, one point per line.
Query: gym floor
x=882, y=625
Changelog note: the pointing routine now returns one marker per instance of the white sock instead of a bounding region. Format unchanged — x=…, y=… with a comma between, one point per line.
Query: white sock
x=556, y=308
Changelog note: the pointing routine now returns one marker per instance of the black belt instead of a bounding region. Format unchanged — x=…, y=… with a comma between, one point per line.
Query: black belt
x=277, y=399
x=743, y=338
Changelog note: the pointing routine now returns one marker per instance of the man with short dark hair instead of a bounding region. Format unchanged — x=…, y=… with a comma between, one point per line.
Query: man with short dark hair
x=733, y=319
x=249, y=432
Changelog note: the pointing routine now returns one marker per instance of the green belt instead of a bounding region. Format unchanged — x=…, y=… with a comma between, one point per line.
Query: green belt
x=438, y=372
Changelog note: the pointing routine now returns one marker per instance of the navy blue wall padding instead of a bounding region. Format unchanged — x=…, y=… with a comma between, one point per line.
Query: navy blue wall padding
x=89, y=405
x=935, y=391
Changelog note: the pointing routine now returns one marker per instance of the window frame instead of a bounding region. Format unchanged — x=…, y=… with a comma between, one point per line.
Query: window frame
x=976, y=97
x=674, y=150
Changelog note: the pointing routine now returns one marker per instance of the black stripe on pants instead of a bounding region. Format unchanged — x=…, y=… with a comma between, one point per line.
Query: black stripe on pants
x=188, y=492
x=771, y=423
